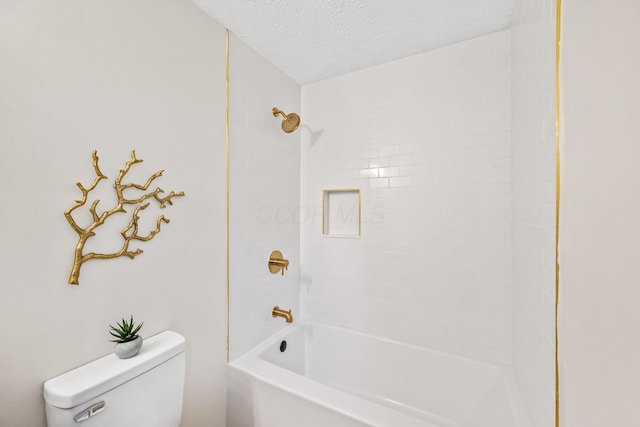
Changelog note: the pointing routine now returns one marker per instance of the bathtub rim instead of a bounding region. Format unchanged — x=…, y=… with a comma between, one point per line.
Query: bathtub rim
x=252, y=364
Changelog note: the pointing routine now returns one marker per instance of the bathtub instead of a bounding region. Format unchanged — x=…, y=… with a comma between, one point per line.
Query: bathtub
x=331, y=376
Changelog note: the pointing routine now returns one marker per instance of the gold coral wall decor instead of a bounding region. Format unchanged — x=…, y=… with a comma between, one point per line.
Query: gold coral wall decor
x=130, y=232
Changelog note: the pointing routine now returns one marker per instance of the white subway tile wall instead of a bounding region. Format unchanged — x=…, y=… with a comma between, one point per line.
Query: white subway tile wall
x=427, y=139
x=264, y=172
x=533, y=144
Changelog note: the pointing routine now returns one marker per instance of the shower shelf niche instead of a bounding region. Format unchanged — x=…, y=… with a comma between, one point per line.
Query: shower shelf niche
x=341, y=213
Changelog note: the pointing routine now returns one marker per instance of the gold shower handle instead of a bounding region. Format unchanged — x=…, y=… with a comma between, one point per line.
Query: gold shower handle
x=277, y=262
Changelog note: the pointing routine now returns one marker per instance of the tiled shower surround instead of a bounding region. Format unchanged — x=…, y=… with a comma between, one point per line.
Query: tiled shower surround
x=452, y=151
x=264, y=186
x=534, y=161
x=427, y=140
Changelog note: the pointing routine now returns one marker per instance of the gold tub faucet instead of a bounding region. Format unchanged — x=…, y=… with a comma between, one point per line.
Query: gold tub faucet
x=277, y=312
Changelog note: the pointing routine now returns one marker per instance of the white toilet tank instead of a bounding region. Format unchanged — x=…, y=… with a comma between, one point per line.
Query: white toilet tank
x=143, y=391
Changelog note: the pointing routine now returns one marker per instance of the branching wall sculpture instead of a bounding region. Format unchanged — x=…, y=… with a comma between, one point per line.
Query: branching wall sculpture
x=130, y=232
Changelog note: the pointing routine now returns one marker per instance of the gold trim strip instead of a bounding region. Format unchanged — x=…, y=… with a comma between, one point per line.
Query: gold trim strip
x=227, y=172
x=558, y=28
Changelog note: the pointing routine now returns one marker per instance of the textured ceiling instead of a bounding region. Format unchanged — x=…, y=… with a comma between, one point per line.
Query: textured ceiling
x=311, y=40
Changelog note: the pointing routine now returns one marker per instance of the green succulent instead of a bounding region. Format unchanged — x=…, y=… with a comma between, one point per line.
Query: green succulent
x=126, y=331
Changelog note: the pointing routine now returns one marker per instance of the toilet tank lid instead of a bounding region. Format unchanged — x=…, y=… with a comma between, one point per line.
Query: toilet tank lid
x=88, y=381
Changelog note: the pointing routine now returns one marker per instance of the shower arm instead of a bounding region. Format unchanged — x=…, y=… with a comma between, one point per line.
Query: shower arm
x=277, y=112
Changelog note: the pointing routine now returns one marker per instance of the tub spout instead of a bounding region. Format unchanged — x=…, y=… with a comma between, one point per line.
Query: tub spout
x=277, y=312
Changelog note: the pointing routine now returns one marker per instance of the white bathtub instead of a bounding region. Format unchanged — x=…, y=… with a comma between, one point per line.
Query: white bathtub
x=330, y=376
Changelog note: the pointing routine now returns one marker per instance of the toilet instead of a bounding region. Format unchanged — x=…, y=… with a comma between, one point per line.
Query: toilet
x=143, y=391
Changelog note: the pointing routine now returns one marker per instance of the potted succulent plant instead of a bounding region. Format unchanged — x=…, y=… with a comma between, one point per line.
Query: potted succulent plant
x=128, y=342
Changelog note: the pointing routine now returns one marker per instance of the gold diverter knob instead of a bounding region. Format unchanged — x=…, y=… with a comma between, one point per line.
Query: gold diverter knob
x=277, y=262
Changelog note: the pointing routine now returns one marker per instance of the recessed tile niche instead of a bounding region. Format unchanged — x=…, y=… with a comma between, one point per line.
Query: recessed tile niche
x=341, y=213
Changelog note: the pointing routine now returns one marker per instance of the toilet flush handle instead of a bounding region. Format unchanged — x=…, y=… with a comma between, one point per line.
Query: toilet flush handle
x=89, y=412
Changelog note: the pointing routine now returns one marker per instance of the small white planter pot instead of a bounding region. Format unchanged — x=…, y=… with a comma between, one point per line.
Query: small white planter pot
x=129, y=349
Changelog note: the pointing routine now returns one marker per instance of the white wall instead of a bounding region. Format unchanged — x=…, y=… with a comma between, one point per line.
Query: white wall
x=426, y=138
x=600, y=212
x=264, y=171
x=79, y=75
x=533, y=54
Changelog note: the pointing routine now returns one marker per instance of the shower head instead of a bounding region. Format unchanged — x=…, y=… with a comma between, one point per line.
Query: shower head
x=290, y=122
